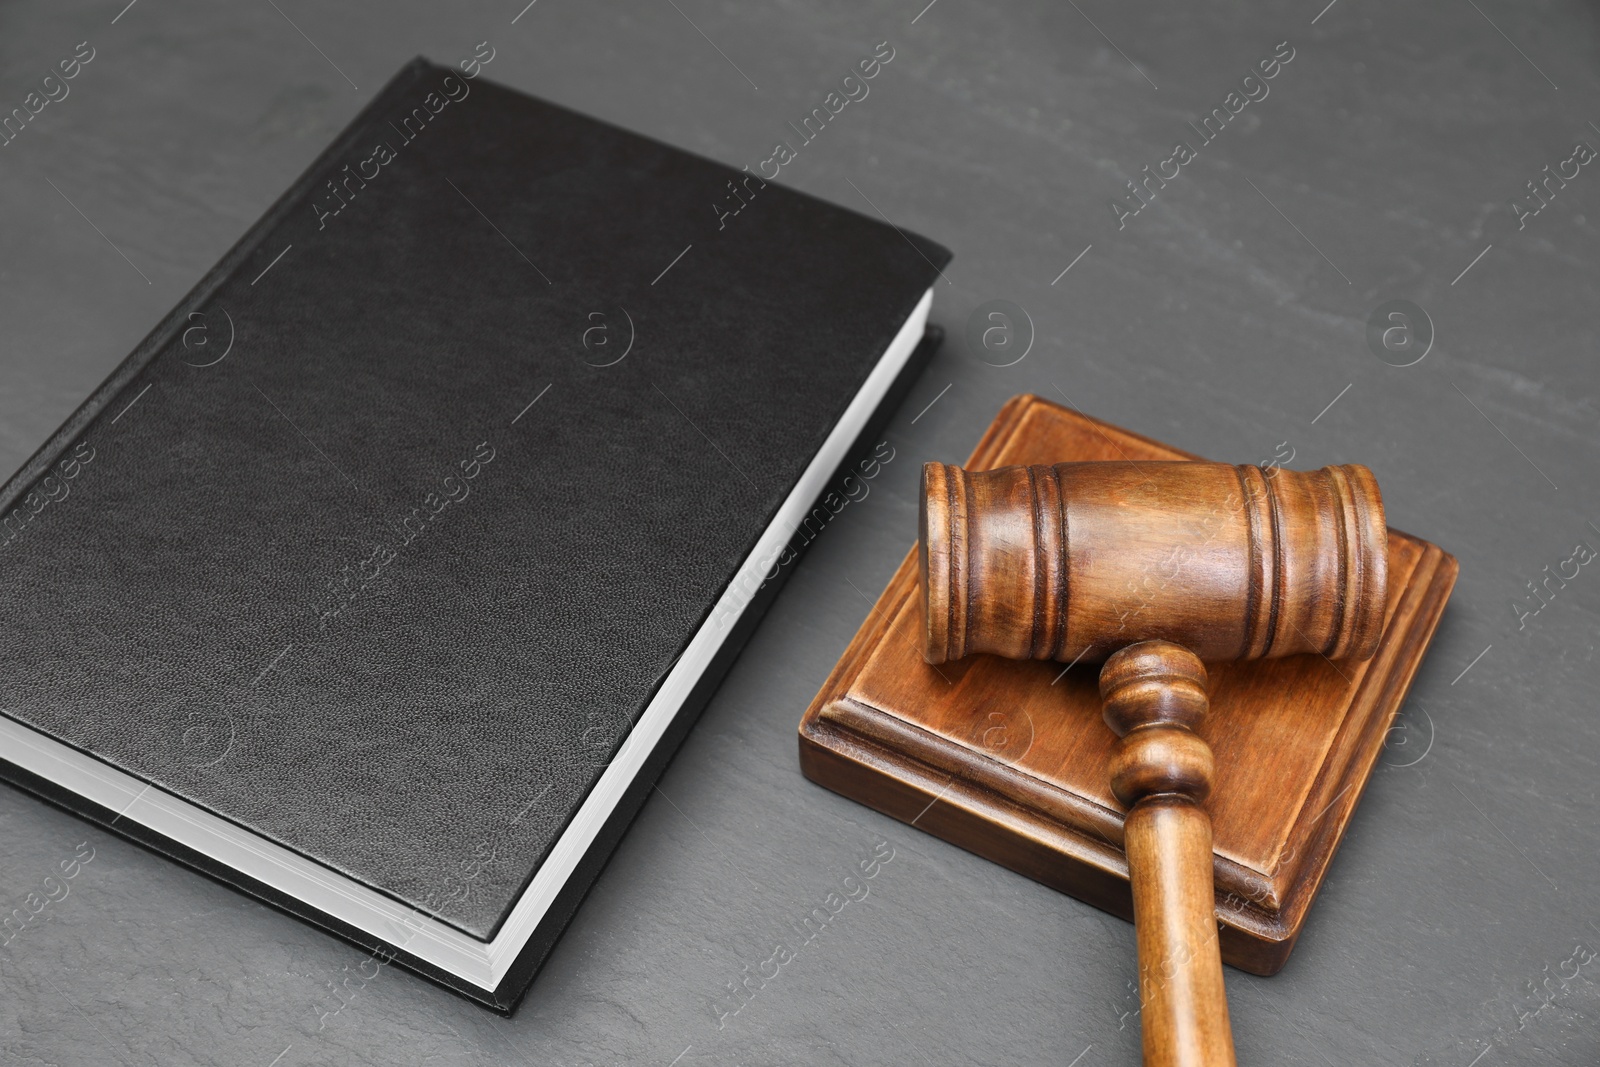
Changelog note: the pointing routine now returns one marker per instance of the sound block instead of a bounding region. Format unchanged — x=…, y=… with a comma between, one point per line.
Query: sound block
x=1009, y=759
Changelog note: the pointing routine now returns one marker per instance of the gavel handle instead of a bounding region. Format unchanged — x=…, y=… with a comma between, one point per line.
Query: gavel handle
x=1185, y=1010
x=1154, y=694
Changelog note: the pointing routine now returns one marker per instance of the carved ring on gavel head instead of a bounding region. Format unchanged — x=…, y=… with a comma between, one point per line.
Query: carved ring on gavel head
x=1077, y=560
x=1157, y=566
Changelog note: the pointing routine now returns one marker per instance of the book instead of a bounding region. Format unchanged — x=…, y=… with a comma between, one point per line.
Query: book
x=385, y=575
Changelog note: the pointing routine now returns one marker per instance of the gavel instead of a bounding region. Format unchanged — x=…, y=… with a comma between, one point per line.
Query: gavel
x=1154, y=568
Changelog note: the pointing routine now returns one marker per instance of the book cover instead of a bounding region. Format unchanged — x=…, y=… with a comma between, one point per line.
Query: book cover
x=384, y=576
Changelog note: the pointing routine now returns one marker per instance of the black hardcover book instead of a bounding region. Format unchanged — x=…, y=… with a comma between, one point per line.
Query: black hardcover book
x=385, y=575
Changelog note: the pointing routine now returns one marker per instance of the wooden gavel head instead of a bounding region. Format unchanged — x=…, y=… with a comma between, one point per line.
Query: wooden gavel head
x=1075, y=561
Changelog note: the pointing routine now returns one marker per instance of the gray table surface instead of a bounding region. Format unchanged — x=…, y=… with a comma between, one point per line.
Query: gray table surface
x=1229, y=317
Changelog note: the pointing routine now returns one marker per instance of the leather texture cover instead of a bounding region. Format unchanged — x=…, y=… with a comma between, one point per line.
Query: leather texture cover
x=381, y=541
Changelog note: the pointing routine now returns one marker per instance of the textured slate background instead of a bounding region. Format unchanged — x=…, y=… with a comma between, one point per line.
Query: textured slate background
x=1452, y=927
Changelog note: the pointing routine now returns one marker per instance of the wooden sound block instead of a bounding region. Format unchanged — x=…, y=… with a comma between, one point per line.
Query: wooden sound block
x=1010, y=759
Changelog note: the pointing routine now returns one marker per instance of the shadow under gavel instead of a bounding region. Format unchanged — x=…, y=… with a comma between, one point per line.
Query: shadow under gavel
x=1154, y=567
